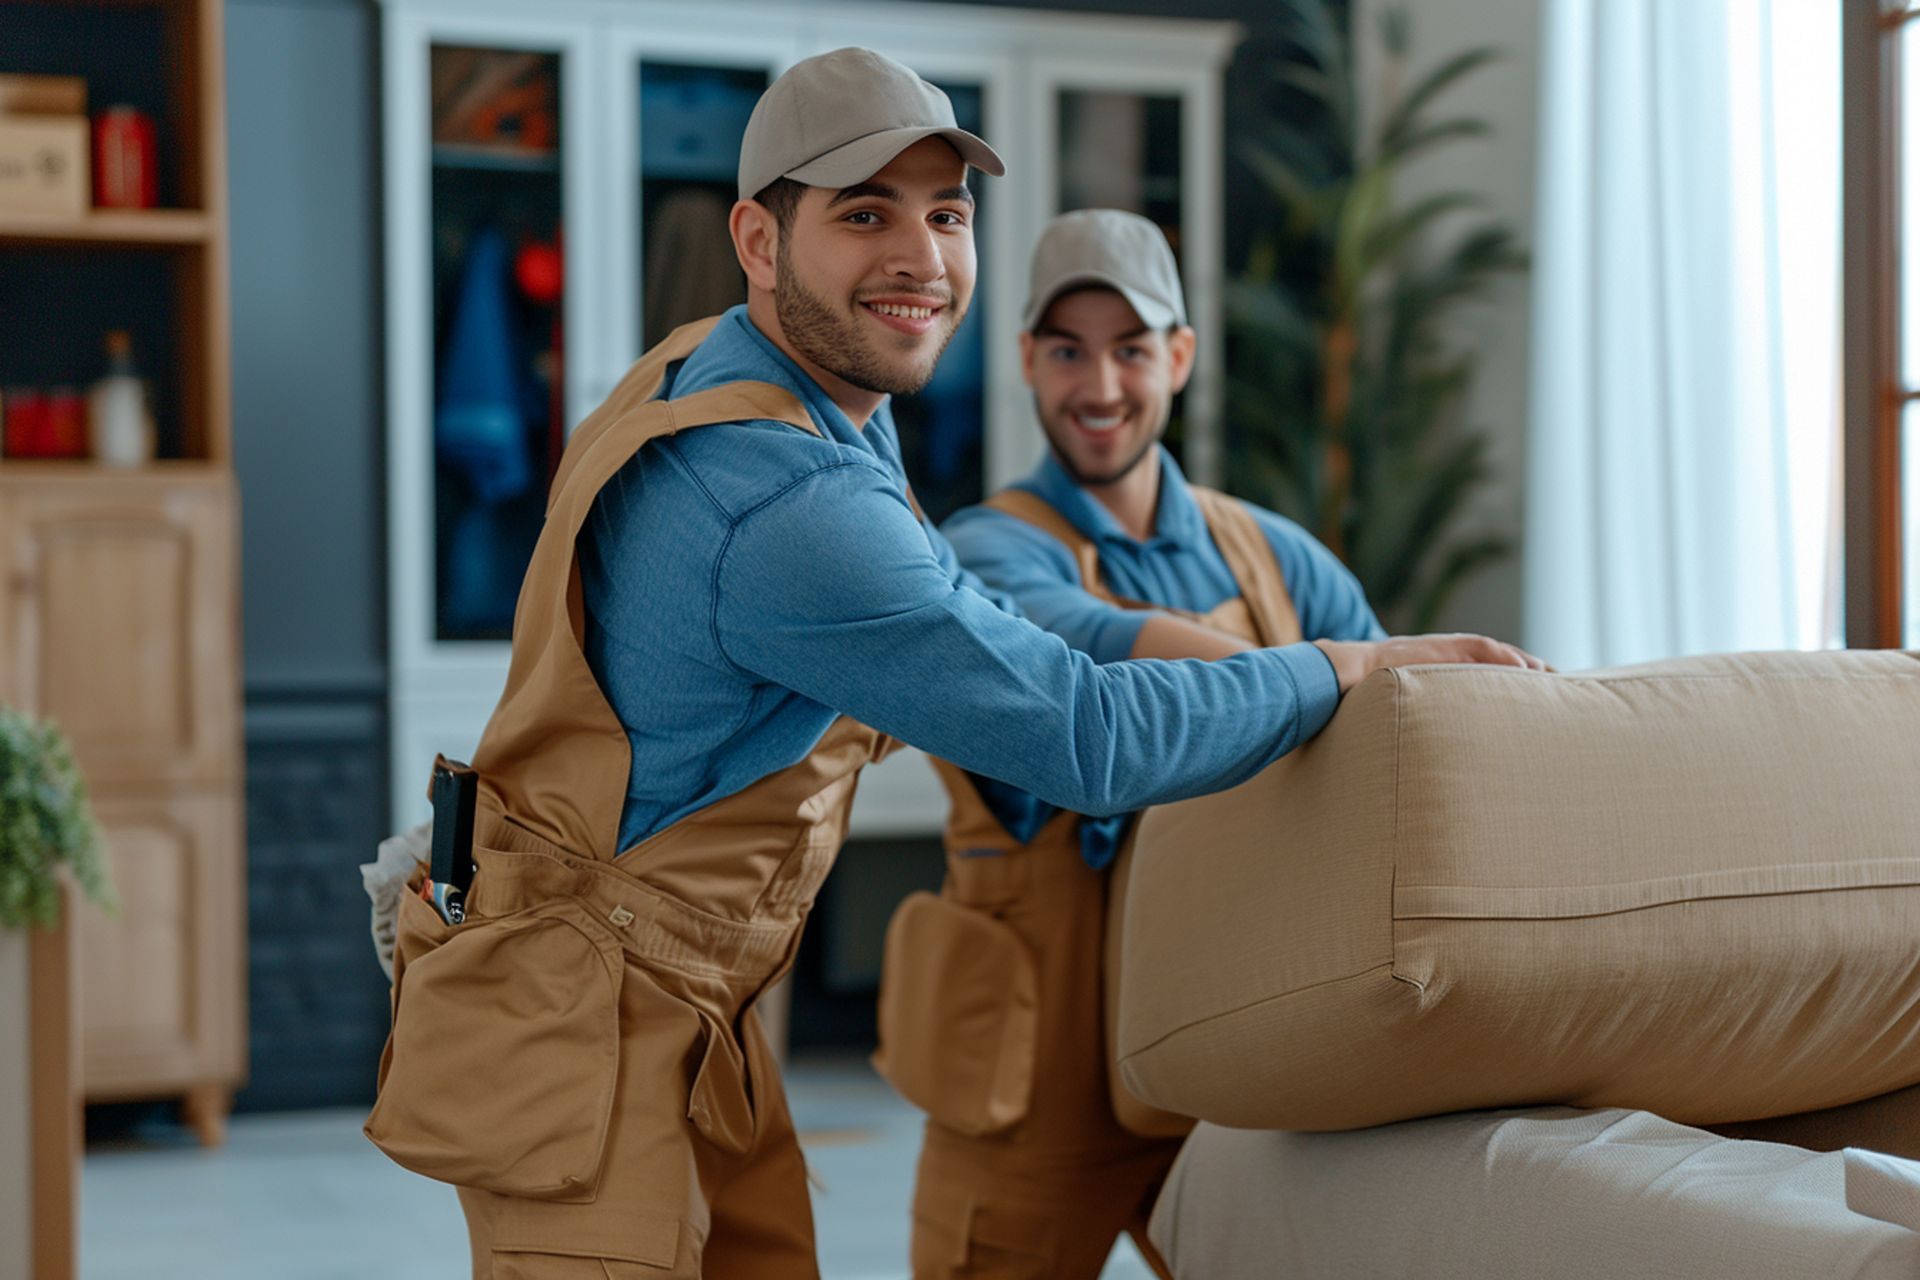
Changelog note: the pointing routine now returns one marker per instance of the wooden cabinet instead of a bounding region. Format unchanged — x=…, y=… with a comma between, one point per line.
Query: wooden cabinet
x=161, y=994
x=118, y=621
x=120, y=624
x=119, y=616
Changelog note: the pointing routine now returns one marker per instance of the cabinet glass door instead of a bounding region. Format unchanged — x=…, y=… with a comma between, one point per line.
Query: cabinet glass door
x=499, y=405
x=1122, y=150
x=692, y=116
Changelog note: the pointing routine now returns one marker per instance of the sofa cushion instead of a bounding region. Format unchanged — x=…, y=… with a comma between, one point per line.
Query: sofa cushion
x=1577, y=1195
x=1690, y=886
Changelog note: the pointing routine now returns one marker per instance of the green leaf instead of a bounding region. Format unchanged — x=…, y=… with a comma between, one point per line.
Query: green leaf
x=1365, y=206
x=1396, y=31
x=1425, y=137
x=46, y=824
x=1403, y=118
x=1396, y=232
x=1279, y=177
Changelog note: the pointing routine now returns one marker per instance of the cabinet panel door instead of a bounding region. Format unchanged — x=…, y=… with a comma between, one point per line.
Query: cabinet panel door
x=160, y=982
x=121, y=627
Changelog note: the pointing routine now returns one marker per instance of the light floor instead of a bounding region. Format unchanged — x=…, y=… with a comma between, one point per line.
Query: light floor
x=303, y=1196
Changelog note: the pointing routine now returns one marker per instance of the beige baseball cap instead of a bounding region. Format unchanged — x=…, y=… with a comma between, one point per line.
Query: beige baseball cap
x=839, y=118
x=1112, y=249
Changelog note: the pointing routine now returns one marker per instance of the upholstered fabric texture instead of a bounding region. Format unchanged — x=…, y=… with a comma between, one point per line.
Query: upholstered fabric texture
x=1577, y=1195
x=1691, y=887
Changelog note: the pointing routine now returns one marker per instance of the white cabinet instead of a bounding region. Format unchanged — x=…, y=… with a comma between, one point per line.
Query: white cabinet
x=556, y=188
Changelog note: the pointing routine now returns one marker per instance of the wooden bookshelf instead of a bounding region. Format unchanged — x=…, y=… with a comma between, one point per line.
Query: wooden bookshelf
x=189, y=94
x=121, y=621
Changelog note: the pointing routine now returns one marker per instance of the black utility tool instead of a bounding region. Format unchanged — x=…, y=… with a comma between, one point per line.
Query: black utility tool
x=450, y=873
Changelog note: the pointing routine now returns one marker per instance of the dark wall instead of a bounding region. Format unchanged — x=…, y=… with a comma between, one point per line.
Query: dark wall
x=302, y=81
x=303, y=154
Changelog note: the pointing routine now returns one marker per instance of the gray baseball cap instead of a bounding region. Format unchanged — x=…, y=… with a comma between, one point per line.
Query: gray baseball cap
x=1111, y=249
x=838, y=118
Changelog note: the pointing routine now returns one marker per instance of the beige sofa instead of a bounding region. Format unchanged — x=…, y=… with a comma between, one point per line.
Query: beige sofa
x=1690, y=887
x=1554, y=1192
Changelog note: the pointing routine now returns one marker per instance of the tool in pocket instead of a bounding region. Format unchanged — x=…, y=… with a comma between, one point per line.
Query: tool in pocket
x=450, y=870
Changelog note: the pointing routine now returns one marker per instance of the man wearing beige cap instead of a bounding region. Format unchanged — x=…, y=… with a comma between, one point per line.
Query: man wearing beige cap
x=732, y=608
x=1030, y=1166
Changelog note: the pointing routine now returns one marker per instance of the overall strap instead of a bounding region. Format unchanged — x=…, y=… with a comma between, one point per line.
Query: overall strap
x=640, y=384
x=1032, y=509
x=555, y=757
x=1249, y=556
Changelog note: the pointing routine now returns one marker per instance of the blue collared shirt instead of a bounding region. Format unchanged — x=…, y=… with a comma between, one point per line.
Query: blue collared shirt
x=748, y=582
x=1178, y=566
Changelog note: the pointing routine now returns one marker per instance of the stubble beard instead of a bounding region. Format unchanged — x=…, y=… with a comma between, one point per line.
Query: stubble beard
x=1057, y=429
x=834, y=342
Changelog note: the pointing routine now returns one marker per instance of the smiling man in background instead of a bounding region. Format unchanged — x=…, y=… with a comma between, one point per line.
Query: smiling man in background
x=1026, y=1171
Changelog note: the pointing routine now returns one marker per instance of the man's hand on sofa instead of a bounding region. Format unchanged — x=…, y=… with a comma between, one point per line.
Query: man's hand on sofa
x=1355, y=660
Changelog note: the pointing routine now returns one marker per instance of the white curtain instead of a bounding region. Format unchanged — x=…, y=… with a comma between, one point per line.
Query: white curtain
x=1684, y=438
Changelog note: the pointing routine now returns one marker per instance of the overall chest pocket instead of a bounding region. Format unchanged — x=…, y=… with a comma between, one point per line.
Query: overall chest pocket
x=959, y=1010
x=499, y=1072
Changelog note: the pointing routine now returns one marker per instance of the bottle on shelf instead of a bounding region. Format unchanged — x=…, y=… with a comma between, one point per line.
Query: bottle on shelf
x=120, y=420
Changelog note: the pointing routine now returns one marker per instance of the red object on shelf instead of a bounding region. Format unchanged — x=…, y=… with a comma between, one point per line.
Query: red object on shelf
x=66, y=424
x=26, y=415
x=123, y=160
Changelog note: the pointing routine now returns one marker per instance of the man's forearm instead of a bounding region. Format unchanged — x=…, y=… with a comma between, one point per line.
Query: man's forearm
x=1166, y=635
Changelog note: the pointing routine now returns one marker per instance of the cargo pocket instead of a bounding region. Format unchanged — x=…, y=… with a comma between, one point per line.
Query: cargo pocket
x=499, y=1073
x=959, y=997
x=548, y=1242
x=718, y=1104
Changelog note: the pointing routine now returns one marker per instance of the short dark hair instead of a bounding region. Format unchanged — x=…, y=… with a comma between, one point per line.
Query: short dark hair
x=780, y=198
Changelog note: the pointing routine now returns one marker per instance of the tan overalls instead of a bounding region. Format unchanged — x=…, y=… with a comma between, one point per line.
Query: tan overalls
x=581, y=1056
x=993, y=1013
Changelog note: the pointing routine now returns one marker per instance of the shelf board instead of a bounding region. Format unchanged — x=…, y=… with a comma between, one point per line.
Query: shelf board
x=112, y=227
x=72, y=469
x=448, y=155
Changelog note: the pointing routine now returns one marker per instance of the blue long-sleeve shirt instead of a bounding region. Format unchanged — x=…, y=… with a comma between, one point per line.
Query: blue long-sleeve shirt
x=747, y=582
x=1178, y=567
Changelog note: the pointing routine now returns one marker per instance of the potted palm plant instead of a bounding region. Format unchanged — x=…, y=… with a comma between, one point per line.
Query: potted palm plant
x=1348, y=377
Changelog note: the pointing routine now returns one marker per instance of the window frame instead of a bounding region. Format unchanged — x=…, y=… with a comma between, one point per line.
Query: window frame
x=1873, y=390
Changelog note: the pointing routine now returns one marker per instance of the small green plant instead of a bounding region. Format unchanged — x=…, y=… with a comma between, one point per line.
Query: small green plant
x=1347, y=374
x=45, y=824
